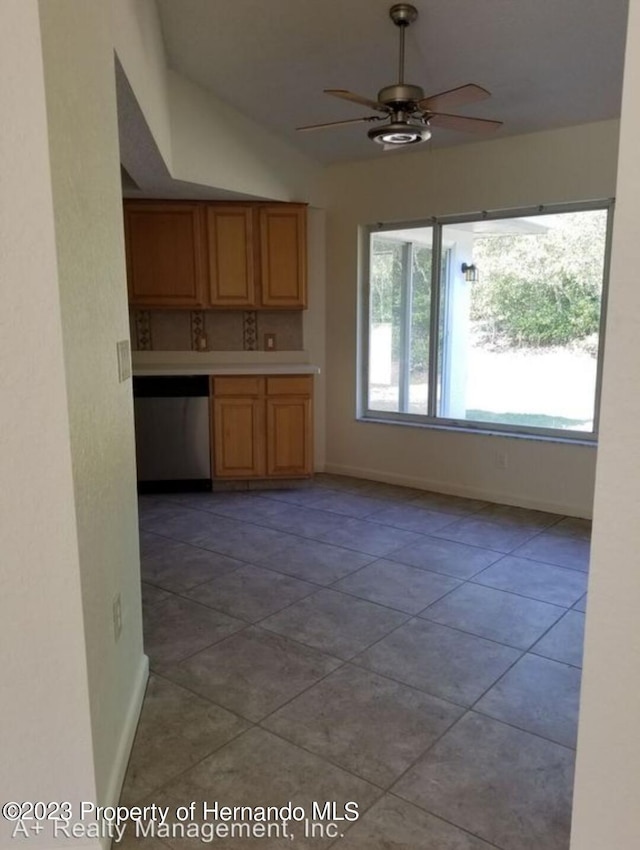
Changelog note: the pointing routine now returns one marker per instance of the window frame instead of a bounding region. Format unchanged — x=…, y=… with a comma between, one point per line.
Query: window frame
x=430, y=419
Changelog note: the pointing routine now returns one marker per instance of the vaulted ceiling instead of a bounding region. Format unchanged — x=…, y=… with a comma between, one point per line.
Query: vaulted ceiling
x=548, y=63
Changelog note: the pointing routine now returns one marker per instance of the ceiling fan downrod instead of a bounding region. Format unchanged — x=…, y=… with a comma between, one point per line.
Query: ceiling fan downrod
x=408, y=115
x=401, y=95
x=402, y=15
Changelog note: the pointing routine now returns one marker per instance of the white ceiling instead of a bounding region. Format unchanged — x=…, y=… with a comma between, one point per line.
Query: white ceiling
x=548, y=63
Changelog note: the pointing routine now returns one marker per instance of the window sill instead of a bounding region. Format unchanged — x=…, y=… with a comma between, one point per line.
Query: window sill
x=481, y=430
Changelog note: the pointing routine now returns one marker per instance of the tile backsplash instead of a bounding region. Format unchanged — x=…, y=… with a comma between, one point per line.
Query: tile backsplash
x=214, y=330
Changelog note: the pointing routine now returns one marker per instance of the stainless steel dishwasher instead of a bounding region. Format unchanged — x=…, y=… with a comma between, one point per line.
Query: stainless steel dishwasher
x=172, y=432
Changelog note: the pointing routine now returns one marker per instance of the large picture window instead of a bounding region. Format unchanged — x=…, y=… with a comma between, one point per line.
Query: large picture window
x=492, y=321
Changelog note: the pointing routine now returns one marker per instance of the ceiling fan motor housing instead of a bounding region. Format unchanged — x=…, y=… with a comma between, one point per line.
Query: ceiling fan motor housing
x=408, y=113
x=400, y=94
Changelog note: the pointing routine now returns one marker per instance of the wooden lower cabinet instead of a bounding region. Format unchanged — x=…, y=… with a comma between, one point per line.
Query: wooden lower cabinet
x=288, y=437
x=238, y=444
x=262, y=427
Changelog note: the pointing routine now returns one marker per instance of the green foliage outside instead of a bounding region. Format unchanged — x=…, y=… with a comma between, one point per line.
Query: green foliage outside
x=387, y=281
x=541, y=290
x=535, y=290
x=421, y=309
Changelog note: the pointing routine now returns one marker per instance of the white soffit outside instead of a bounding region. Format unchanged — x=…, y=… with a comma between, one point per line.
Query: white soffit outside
x=492, y=227
x=548, y=63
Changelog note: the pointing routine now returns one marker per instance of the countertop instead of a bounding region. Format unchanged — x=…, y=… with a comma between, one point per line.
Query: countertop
x=146, y=363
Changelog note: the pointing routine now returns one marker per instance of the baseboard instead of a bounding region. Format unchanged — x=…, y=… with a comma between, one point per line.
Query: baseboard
x=483, y=494
x=130, y=725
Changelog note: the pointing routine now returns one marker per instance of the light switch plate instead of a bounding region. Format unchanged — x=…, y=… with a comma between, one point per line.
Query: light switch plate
x=124, y=360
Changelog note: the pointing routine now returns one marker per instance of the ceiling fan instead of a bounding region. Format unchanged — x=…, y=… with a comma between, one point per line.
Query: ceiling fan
x=407, y=114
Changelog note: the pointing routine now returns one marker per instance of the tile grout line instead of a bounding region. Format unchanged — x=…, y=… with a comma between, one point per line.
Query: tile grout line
x=183, y=593
x=481, y=713
x=345, y=515
x=342, y=663
x=258, y=725
x=466, y=713
x=449, y=822
x=409, y=617
x=461, y=582
x=375, y=556
x=385, y=789
x=389, y=554
x=181, y=773
x=524, y=653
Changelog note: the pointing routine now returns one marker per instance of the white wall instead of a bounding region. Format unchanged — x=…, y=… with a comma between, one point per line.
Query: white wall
x=69, y=537
x=314, y=324
x=607, y=785
x=201, y=139
x=139, y=44
x=562, y=165
x=45, y=733
x=215, y=145
x=83, y=147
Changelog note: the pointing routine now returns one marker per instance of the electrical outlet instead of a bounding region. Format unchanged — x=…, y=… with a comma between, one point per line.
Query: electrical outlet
x=202, y=342
x=117, y=617
x=124, y=360
x=502, y=460
x=269, y=342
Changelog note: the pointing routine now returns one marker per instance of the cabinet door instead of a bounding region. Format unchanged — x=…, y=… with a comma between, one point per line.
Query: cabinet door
x=283, y=256
x=231, y=256
x=238, y=438
x=165, y=260
x=289, y=449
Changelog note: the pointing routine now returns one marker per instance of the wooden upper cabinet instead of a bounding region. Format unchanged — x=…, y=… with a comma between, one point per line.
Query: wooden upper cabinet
x=231, y=256
x=165, y=257
x=216, y=255
x=283, y=256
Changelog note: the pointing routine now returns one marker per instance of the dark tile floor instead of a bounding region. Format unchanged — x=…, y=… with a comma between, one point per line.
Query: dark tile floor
x=417, y=653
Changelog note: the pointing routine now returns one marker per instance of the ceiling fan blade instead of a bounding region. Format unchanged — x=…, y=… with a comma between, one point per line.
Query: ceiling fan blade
x=463, y=123
x=471, y=93
x=356, y=98
x=340, y=123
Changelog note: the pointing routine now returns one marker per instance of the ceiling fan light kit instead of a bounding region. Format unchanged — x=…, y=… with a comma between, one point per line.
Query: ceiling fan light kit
x=408, y=114
x=399, y=133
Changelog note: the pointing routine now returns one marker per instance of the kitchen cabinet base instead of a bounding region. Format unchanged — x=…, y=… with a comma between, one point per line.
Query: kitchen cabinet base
x=223, y=485
x=181, y=485
x=262, y=427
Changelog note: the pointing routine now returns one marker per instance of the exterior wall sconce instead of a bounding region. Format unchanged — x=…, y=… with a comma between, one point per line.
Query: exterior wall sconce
x=470, y=272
